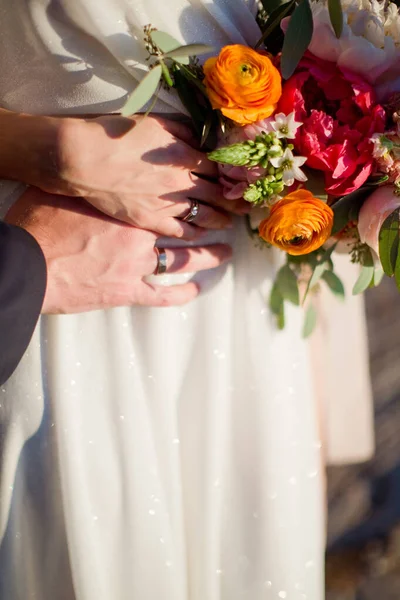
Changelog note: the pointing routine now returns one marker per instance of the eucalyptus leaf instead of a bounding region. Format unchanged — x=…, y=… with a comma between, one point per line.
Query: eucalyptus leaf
x=164, y=41
x=286, y=282
x=334, y=283
x=389, y=242
x=310, y=321
x=297, y=38
x=182, y=60
x=274, y=21
x=143, y=92
x=364, y=280
x=189, y=50
x=336, y=16
x=378, y=274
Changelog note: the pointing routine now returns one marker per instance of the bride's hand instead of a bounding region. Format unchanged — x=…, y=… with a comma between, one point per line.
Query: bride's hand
x=143, y=171
x=95, y=262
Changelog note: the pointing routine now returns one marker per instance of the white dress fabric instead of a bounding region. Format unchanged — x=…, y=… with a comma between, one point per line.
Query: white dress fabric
x=153, y=453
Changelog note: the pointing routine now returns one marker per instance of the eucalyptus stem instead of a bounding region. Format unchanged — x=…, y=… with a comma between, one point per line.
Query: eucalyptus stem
x=166, y=74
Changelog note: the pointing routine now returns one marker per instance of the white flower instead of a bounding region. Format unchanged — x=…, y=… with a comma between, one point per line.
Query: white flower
x=291, y=167
x=380, y=150
x=369, y=44
x=285, y=126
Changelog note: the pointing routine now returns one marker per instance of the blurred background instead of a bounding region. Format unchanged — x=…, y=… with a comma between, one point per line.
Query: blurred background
x=363, y=558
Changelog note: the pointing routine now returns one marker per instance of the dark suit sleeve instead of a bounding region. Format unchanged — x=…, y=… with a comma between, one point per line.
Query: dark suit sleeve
x=22, y=289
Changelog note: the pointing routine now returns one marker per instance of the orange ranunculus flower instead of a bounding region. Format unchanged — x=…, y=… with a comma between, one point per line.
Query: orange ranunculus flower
x=243, y=84
x=298, y=224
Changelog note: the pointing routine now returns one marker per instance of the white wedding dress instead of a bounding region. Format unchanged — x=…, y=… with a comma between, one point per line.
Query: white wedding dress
x=152, y=454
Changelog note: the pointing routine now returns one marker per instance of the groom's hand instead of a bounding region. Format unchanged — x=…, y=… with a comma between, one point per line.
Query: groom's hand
x=95, y=262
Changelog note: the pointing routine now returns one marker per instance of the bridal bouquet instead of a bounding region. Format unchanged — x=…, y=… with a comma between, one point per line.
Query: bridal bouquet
x=306, y=127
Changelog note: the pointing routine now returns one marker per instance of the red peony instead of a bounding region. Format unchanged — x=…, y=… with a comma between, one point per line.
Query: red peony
x=339, y=115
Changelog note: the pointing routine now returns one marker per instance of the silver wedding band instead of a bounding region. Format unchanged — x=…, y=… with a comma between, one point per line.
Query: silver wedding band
x=193, y=212
x=161, y=261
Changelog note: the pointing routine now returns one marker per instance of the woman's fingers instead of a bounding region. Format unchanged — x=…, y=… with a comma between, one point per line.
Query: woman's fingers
x=181, y=131
x=211, y=193
x=206, y=216
x=191, y=260
x=194, y=157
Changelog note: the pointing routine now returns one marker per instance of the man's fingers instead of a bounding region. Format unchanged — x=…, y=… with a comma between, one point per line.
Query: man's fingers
x=172, y=295
x=191, y=260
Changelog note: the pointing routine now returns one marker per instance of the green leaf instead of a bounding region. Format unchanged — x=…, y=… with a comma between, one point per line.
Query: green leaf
x=397, y=271
x=189, y=50
x=281, y=318
x=319, y=269
x=377, y=179
x=189, y=76
x=346, y=209
x=271, y=5
x=364, y=280
x=275, y=299
x=286, y=282
x=274, y=21
x=336, y=16
x=207, y=128
x=143, y=92
x=317, y=274
x=334, y=283
x=297, y=38
x=188, y=95
x=164, y=41
x=389, y=242
x=310, y=321
x=276, y=304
